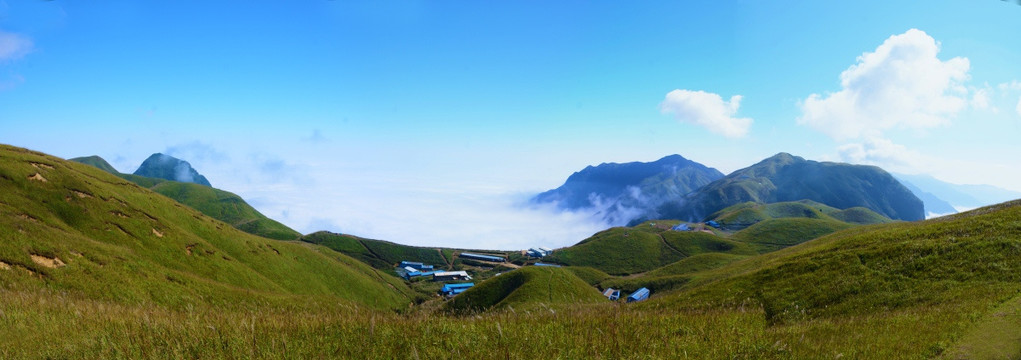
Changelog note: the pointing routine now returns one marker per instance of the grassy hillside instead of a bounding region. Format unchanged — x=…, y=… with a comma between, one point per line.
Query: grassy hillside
x=216, y=203
x=746, y=214
x=915, y=287
x=633, y=250
x=775, y=234
x=73, y=228
x=526, y=288
x=380, y=254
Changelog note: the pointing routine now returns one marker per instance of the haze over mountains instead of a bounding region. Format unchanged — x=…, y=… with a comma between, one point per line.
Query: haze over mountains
x=958, y=197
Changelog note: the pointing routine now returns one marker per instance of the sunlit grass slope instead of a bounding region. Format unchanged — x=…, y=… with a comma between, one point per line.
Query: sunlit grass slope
x=526, y=288
x=922, y=284
x=774, y=234
x=218, y=204
x=69, y=227
x=746, y=214
x=633, y=250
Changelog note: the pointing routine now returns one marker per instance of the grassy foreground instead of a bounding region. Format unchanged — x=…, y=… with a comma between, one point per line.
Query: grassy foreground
x=54, y=325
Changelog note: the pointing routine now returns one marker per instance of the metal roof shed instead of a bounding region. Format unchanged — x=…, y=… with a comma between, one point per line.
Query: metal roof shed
x=638, y=295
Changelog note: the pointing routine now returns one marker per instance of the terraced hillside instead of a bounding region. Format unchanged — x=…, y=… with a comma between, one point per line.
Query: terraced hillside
x=218, y=204
x=73, y=228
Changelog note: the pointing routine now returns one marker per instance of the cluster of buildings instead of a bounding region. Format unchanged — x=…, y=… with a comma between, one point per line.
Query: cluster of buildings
x=638, y=295
x=410, y=269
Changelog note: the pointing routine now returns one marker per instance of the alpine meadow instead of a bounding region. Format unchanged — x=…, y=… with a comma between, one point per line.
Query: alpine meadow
x=568, y=180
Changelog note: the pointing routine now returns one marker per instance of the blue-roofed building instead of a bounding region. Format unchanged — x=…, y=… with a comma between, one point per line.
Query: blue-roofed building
x=681, y=227
x=545, y=264
x=416, y=265
x=482, y=257
x=713, y=223
x=639, y=295
x=453, y=289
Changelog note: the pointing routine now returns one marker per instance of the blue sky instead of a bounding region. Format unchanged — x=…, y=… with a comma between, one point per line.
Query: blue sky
x=431, y=122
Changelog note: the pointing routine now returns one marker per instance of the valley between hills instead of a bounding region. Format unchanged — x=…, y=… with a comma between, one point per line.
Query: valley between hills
x=786, y=259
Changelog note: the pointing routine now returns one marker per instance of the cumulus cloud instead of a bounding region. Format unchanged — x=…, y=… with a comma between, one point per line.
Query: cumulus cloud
x=708, y=110
x=881, y=152
x=902, y=84
x=14, y=46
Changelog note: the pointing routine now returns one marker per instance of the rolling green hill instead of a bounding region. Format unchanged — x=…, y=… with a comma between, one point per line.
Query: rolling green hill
x=633, y=250
x=746, y=214
x=380, y=254
x=218, y=204
x=922, y=284
x=74, y=228
x=526, y=288
x=774, y=234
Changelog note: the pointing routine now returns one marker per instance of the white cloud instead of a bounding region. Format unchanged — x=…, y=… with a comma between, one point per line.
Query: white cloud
x=707, y=110
x=882, y=152
x=902, y=84
x=1018, y=108
x=13, y=46
x=1013, y=85
x=980, y=99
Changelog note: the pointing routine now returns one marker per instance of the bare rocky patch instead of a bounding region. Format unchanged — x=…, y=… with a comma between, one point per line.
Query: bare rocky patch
x=157, y=232
x=81, y=194
x=4, y=266
x=47, y=262
x=37, y=177
x=42, y=166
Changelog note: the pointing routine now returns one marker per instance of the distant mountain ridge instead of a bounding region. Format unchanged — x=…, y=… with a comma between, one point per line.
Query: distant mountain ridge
x=784, y=177
x=621, y=190
x=162, y=166
x=958, y=196
x=934, y=206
